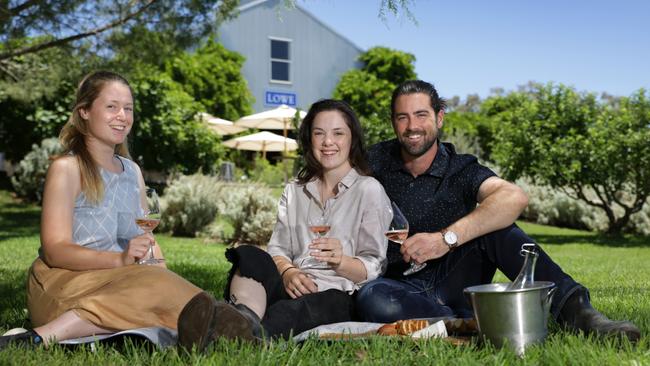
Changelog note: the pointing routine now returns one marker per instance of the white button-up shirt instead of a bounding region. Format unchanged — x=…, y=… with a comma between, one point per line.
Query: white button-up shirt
x=358, y=215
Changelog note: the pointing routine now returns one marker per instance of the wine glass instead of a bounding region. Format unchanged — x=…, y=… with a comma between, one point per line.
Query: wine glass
x=147, y=220
x=319, y=224
x=398, y=231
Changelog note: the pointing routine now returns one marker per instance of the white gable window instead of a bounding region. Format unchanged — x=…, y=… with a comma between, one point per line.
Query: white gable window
x=280, y=60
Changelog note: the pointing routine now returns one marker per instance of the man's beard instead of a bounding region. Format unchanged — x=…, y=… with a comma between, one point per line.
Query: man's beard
x=418, y=150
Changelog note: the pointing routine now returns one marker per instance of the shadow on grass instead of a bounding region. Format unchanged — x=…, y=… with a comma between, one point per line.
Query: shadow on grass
x=595, y=239
x=17, y=218
x=19, y=224
x=13, y=298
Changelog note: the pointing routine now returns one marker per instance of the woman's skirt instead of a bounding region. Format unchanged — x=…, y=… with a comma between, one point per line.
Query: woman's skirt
x=135, y=296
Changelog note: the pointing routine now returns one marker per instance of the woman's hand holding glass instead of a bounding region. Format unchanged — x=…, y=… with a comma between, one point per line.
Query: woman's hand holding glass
x=296, y=283
x=318, y=222
x=137, y=248
x=327, y=250
x=148, y=219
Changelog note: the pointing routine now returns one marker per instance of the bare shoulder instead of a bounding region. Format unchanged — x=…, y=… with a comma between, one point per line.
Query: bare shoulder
x=67, y=165
x=63, y=173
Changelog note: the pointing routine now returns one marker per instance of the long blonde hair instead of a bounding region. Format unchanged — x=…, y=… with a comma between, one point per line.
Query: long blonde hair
x=74, y=132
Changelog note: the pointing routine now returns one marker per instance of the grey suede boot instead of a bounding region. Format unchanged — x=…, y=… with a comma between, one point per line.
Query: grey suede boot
x=578, y=314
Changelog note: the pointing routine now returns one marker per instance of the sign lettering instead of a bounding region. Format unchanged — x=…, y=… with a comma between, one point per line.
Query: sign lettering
x=278, y=98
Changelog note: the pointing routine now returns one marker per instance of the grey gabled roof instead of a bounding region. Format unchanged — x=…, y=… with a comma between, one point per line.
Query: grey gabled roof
x=246, y=5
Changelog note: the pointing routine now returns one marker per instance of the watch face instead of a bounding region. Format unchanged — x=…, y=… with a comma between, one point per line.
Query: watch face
x=451, y=238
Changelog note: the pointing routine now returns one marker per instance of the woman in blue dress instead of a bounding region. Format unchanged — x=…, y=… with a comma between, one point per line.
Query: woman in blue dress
x=85, y=280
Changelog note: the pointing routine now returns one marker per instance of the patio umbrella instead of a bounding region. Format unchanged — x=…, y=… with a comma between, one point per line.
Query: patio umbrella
x=220, y=126
x=275, y=119
x=262, y=141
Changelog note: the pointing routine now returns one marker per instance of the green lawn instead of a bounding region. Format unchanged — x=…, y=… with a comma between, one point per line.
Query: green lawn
x=615, y=270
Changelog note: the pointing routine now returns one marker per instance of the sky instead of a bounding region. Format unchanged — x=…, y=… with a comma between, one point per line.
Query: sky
x=471, y=46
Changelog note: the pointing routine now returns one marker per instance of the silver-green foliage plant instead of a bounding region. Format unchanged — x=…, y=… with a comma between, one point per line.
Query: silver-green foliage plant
x=190, y=203
x=463, y=142
x=195, y=205
x=550, y=206
x=29, y=178
x=251, y=209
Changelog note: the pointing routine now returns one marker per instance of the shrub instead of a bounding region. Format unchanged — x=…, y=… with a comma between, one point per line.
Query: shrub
x=190, y=203
x=551, y=206
x=251, y=209
x=463, y=142
x=269, y=174
x=640, y=221
x=201, y=205
x=29, y=177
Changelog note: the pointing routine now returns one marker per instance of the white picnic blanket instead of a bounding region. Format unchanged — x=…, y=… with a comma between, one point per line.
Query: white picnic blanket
x=160, y=336
x=435, y=329
x=166, y=337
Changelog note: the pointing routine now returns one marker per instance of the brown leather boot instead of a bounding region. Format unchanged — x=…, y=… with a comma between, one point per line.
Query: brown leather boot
x=578, y=314
x=238, y=322
x=197, y=322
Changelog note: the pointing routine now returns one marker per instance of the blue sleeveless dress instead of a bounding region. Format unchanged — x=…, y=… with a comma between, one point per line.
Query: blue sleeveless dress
x=110, y=225
x=116, y=299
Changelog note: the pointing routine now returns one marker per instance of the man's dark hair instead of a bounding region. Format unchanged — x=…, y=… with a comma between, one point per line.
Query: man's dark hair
x=357, y=156
x=418, y=86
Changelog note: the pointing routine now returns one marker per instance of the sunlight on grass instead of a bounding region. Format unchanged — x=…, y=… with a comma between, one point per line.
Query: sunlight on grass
x=616, y=274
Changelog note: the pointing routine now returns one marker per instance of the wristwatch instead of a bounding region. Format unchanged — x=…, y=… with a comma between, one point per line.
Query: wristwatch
x=450, y=238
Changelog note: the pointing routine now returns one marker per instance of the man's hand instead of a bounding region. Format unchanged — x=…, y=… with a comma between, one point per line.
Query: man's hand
x=297, y=284
x=423, y=247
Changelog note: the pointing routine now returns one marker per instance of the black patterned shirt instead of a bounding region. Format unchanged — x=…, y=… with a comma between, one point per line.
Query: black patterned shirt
x=432, y=201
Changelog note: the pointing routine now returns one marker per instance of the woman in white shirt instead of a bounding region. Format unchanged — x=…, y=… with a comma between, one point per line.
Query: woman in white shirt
x=275, y=293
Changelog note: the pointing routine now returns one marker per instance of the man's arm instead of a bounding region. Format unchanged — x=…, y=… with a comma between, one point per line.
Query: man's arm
x=500, y=204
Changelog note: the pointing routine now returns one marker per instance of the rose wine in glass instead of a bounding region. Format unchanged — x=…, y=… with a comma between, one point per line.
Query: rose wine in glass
x=398, y=231
x=318, y=221
x=148, y=220
x=398, y=236
x=321, y=230
x=147, y=224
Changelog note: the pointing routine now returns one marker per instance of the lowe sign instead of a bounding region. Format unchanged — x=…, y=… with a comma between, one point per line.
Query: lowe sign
x=278, y=98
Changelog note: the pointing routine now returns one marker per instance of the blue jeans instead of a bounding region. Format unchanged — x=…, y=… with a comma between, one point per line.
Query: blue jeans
x=438, y=289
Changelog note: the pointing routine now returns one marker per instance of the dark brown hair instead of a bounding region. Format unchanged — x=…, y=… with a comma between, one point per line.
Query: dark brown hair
x=418, y=86
x=357, y=156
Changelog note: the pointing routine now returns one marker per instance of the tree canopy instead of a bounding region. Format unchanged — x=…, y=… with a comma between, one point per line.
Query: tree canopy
x=68, y=21
x=212, y=75
x=166, y=135
x=369, y=89
x=596, y=152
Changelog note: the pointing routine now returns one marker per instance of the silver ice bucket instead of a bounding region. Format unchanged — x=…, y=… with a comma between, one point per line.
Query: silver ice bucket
x=516, y=318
